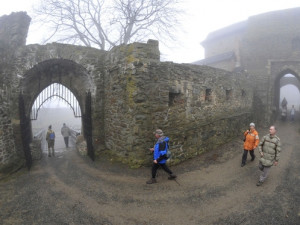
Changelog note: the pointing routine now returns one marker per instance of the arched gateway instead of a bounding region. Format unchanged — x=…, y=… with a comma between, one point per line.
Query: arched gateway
x=73, y=84
x=278, y=72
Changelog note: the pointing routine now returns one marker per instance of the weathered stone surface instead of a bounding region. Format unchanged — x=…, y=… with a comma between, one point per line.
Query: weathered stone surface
x=133, y=93
x=7, y=144
x=36, y=149
x=13, y=30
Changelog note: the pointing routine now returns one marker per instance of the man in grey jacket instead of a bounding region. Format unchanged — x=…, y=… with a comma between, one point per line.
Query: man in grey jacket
x=65, y=131
x=269, y=149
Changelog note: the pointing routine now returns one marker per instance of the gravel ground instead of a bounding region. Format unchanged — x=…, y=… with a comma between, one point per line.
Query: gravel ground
x=210, y=189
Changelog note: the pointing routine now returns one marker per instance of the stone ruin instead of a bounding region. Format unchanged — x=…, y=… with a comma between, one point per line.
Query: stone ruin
x=132, y=91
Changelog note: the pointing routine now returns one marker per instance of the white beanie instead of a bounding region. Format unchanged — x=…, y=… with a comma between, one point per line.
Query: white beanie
x=252, y=125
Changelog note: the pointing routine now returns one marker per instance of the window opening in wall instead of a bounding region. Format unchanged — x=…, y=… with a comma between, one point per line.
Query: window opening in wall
x=173, y=98
x=228, y=94
x=208, y=95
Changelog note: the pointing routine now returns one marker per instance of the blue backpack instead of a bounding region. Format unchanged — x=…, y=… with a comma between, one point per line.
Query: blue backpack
x=52, y=136
x=164, y=146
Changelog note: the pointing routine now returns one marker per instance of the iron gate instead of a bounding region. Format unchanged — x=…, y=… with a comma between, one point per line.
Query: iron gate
x=25, y=132
x=55, y=90
x=87, y=126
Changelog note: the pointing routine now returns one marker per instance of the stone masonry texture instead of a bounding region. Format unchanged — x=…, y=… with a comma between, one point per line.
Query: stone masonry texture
x=133, y=93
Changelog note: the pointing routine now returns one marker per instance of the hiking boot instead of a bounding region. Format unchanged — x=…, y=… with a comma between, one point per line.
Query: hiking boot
x=259, y=183
x=252, y=159
x=172, y=177
x=151, y=181
x=243, y=164
x=49, y=155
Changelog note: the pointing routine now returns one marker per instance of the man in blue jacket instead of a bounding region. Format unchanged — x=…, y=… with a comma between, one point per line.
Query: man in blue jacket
x=160, y=156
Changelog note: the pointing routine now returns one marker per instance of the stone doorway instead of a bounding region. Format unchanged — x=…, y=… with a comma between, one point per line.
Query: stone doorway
x=54, y=106
x=287, y=94
x=56, y=78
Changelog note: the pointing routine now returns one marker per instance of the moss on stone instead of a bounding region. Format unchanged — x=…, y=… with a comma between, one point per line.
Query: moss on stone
x=130, y=88
x=129, y=54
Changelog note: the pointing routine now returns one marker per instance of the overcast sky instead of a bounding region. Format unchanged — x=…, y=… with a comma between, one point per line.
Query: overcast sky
x=201, y=18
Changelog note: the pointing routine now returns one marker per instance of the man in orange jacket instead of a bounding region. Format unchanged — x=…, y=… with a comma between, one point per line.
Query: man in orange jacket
x=251, y=142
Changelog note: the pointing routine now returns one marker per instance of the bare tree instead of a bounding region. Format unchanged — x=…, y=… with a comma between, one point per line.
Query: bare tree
x=107, y=23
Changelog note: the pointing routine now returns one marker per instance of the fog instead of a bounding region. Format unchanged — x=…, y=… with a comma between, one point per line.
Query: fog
x=56, y=117
x=291, y=94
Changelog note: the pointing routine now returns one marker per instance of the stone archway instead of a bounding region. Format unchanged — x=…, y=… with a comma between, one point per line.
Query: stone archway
x=62, y=71
x=290, y=89
x=280, y=82
x=289, y=80
x=65, y=72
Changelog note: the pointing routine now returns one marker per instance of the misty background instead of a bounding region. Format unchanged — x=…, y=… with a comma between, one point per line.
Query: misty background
x=200, y=18
x=291, y=94
x=55, y=112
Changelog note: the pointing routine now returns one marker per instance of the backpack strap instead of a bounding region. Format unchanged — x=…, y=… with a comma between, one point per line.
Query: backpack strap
x=163, y=146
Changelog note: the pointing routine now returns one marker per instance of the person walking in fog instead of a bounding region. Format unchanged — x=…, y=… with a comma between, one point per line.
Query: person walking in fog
x=50, y=138
x=293, y=113
x=65, y=131
x=160, y=156
x=269, y=149
x=251, y=142
x=284, y=104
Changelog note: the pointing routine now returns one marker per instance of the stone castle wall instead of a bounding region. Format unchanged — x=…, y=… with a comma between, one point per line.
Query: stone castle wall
x=13, y=33
x=278, y=42
x=147, y=95
x=227, y=44
x=228, y=65
x=268, y=48
x=133, y=93
x=7, y=145
x=13, y=30
x=199, y=108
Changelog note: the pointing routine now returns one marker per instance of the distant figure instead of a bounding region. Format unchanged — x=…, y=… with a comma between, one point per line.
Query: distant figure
x=293, y=113
x=251, y=142
x=283, y=114
x=284, y=103
x=50, y=138
x=160, y=156
x=269, y=149
x=65, y=131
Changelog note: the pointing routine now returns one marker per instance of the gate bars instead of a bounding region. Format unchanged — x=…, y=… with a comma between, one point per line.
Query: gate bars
x=55, y=90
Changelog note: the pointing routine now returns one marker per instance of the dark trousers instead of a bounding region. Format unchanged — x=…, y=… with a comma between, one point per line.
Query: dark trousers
x=66, y=141
x=155, y=166
x=51, y=145
x=244, y=158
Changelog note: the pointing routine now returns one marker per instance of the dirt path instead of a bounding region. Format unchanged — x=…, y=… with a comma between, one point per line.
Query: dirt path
x=211, y=189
